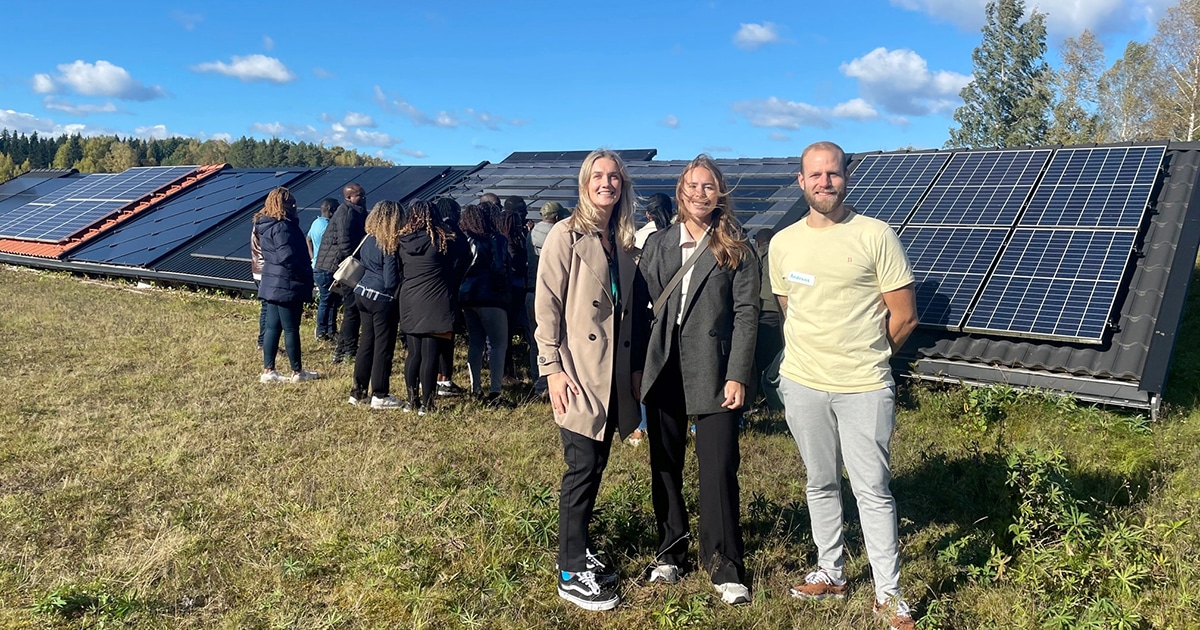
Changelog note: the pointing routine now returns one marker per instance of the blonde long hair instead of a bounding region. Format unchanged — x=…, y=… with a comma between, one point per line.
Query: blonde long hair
x=384, y=223
x=586, y=216
x=727, y=240
x=275, y=205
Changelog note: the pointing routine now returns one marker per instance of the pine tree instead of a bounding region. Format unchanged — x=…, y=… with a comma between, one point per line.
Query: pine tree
x=1008, y=99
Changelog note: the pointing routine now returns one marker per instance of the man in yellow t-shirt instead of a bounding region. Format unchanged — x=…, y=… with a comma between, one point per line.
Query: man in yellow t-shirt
x=846, y=289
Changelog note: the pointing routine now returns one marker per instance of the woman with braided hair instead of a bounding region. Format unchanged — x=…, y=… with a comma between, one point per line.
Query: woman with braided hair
x=430, y=263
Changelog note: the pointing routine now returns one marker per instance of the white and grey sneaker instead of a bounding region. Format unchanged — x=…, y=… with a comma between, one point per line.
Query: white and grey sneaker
x=583, y=590
x=665, y=573
x=387, y=402
x=733, y=593
x=304, y=376
x=271, y=376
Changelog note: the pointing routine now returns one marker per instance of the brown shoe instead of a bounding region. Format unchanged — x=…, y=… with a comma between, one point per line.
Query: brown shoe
x=898, y=616
x=818, y=585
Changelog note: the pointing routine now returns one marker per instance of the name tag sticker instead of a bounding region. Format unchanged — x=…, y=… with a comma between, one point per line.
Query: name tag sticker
x=801, y=278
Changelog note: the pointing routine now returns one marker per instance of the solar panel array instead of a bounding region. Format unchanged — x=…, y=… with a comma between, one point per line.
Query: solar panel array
x=77, y=206
x=1027, y=242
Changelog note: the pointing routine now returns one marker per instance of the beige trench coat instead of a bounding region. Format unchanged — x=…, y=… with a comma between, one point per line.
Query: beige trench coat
x=574, y=312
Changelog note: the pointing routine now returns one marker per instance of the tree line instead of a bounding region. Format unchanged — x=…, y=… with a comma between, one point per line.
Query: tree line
x=20, y=153
x=1152, y=92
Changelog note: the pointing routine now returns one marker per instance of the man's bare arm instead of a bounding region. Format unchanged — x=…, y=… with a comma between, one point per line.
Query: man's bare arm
x=902, y=315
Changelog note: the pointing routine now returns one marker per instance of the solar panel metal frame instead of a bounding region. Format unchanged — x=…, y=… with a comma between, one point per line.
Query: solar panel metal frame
x=1061, y=189
x=62, y=214
x=1076, y=271
x=875, y=175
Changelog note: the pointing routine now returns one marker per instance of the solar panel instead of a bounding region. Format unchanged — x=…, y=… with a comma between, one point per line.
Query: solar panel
x=949, y=265
x=1056, y=284
x=887, y=187
x=1095, y=187
x=59, y=215
x=982, y=188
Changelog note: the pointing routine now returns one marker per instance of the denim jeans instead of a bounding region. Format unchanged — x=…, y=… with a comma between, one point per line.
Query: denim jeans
x=282, y=318
x=486, y=325
x=327, y=305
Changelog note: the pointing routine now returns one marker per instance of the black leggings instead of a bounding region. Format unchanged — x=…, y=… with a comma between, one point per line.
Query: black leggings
x=421, y=366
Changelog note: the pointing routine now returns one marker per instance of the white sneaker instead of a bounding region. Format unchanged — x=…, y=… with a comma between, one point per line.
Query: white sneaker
x=389, y=402
x=733, y=593
x=665, y=573
x=272, y=377
x=303, y=376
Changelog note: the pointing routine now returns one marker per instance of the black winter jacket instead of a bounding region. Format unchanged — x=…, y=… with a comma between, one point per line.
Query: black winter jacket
x=345, y=231
x=430, y=279
x=286, y=268
x=486, y=282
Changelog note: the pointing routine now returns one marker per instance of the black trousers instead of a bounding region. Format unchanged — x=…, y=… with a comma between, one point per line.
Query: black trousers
x=374, y=355
x=717, y=453
x=586, y=460
x=351, y=321
x=421, y=366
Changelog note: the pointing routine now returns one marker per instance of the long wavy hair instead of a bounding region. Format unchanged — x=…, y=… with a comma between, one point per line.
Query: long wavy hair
x=423, y=215
x=276, y=205
x=476, y=222
x=727, y=240
x=384, y=223
x=587, y=216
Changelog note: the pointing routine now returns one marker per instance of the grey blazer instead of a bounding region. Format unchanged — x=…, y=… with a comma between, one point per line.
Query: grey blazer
x=719, y=326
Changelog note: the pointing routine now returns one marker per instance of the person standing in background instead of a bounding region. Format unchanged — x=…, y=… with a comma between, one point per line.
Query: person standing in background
x=287, y=283
x=375, y=299
x=328, y=301
x=345, y=231
x=551, y=211
x=770, y=330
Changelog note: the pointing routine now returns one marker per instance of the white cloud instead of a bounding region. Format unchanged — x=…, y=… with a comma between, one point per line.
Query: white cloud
x=157, y=132
x=187, y=20
x=670, y=121
x=753, y=36
x=781, y=114
x=351, y=119
x=855, y=109
x=336, y=134
x=779, y=137
x=250, y=68
x=900, y=82
x=1064, y=18
x=268, y=43
x=22, y=122
x=99, y=79
x=224, y=137
x=322, y=73
x=78, y=110
x=443, y=118
x=413, y=153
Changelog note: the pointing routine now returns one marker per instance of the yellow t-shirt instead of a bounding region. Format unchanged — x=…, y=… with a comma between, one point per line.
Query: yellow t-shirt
x=834, y=278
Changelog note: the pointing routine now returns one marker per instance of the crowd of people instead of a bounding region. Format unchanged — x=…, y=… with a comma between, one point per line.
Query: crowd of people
x=655, y=334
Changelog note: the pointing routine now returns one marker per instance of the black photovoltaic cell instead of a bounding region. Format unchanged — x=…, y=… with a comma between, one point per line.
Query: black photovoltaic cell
x=1058, y=284
x=886, y=187
x=981, y=188
x=949, y=264
x=57, y=216
x=1095, y=187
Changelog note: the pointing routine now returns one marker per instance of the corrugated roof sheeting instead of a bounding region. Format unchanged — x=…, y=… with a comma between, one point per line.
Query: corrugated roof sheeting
x=175, y=222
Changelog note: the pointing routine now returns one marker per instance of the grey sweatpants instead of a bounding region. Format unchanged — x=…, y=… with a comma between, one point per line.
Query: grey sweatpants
x=856, y=430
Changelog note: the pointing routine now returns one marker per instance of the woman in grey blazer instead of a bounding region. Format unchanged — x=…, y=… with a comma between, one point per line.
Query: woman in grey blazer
x=701, y=345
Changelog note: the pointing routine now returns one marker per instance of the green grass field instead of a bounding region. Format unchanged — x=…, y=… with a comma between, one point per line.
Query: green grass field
x=148, y=480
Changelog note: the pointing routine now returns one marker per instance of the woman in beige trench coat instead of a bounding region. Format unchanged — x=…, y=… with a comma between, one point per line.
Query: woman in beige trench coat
x=584, y=336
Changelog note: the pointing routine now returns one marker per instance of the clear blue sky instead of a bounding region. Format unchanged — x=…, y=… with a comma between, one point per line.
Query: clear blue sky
x=462, y=82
